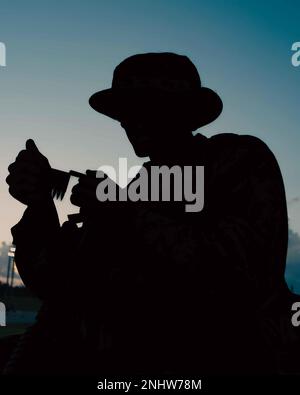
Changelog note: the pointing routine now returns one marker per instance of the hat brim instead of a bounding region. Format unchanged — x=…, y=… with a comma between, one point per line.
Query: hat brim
x=203, y=105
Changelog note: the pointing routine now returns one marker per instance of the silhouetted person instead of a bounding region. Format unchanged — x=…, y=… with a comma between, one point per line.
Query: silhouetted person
x=147, y=287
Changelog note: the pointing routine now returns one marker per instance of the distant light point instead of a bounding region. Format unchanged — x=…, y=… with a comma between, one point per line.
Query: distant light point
x=2, y=54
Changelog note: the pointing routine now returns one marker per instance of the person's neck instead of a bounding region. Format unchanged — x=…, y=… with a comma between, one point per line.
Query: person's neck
x=174, y=147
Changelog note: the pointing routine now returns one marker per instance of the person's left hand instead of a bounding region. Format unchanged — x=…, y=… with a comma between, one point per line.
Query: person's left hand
x=84, y=193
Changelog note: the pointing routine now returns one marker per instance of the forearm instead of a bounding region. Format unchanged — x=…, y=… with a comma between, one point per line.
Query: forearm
x=34, y=234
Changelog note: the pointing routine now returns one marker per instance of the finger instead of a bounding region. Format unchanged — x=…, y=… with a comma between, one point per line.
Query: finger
x=19, y=179
x=19, y=193
x=89, y=183
x=83, y=197
x=22, y=189
x=15, y=194
x=76, y=193
x=75, y=199
x=24, y=168
x=31, y=146
x=11, y=167
x=87, y=193
x=27, y=156
x=92, y=181
x=75, y=188
x=34, y=151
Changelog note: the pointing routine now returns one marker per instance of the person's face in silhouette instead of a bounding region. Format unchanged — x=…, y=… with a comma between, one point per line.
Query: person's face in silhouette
x=143, y=134
x=154, y=131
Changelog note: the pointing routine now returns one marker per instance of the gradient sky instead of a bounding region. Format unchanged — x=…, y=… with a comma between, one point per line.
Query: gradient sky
x=60, y=52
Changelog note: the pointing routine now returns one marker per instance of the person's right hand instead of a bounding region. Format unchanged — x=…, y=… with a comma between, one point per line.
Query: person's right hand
x=28, y=176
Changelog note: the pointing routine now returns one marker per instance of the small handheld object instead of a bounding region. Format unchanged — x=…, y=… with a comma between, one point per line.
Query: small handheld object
x=59, y=181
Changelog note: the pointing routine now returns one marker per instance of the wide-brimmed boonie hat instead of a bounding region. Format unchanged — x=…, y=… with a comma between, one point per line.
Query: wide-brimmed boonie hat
x=165, y=80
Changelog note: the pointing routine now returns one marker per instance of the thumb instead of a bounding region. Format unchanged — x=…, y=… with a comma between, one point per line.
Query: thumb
x=30, y=145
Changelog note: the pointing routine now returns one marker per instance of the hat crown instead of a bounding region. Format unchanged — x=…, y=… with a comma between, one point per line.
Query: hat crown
x=164, y=71
x=169, y=80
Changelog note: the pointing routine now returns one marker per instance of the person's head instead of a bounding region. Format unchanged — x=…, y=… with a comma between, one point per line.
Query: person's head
x=151, y=130
x=158, y=99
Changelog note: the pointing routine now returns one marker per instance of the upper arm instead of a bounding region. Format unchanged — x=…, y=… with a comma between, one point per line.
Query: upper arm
x=248, y=223
x=241, y=232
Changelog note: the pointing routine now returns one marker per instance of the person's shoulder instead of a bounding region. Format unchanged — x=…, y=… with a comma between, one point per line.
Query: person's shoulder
x=240, y=139
x=242, y=142
x=228, y=150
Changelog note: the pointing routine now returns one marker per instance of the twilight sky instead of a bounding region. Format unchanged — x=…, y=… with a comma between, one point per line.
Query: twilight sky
x=60, y=52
